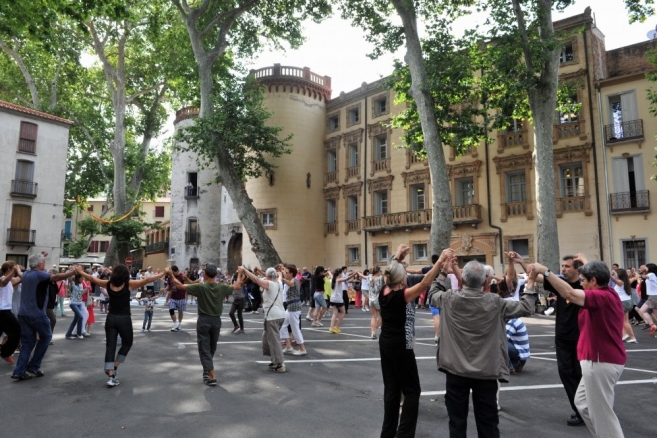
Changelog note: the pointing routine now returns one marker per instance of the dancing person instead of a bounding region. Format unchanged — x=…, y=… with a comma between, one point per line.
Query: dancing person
x=474, y=356
x=337, y=299
x=76, y=304
x=376, y=284
x=600, y=347
x=118, y=321
x=272, y=308
x=33, y=319
x=239, y=300
x=648, y=273
x=9, y=325
x=287, y=276
x=621, y=284
x=318, y=296
x=210, y=298
x=398, y=365
x=61, y=296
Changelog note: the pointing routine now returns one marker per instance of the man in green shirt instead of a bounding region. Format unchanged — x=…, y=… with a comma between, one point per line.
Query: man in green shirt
x=210, y=296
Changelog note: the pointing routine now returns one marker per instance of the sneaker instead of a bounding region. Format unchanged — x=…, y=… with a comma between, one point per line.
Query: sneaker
x=235, y=330
x=174, y=328
x=549, y=311
x=86, y=335
x=35, y=373
x=308, y=318
x=241, y=332
x=435, y=339
x=271, y=366
x=314, y=324
x=148, y=330
x=288, y=350
x=22, y=377
x=9, y=360
x=211, y=382
x=112, y=382
x=337, y=330
x=653, y=328
x=280, y=368
x=319, y=324
x=626, y=337
x=331, y=330
x=373, y=335
x=300, y=353
x=71, y=337
x=367, y=309
x=143, y=330
x=632, y=341
x=363, y=309
x=206, y=377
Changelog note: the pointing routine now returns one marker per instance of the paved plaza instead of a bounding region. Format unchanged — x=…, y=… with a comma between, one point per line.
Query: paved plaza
x=334, y=391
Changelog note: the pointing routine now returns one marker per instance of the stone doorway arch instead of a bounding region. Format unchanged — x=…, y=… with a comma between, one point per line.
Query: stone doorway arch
x=474, y=247
x=234, y=253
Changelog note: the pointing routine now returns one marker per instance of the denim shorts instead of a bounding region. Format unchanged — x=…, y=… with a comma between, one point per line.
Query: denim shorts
x=319, y=300
x=434, y=310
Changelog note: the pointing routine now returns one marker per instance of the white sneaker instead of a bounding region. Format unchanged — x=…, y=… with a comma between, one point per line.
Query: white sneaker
x=363, y=309
x=626, y=337
x=112, y=382
x=288, y=350
x=300, y=353
x=367, y=309
x=175, y=328
x=319, y=324
x=549, y=311
x=632, y=341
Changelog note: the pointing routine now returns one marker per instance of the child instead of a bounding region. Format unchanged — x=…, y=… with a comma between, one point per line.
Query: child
x=149, y=303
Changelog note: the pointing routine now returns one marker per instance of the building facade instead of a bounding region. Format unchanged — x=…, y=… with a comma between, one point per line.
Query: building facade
x=34, y=147
x=348, y=195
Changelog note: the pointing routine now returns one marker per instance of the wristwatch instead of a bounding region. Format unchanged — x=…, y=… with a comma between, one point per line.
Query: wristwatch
x=547, y=273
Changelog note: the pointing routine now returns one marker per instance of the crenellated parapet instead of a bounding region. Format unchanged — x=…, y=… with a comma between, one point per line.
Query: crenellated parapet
x=295, y=80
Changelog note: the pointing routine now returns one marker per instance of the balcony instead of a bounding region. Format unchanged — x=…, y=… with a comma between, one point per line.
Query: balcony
x=156, y=247
x=629, y=202
x=330, y=228
x=379, y=165
x=23, y=188
x=467, y=214
x=66, y=235
x=569, y=130
x=574, y=204
x=330, y=177
x=353, y=226
x=17, y=236
x=512, y=139
x=624, y=131
x=515, y=209
x=353, y=172
x=402, y=220
x=191, y=192
x=192, y=237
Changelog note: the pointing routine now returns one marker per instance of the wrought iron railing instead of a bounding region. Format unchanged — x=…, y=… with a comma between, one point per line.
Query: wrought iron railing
x=20, y=236
x=192, y=237
x=157, y=246
x=191, y=192
x=638, y=201
x=630, y=130
x=21, y=187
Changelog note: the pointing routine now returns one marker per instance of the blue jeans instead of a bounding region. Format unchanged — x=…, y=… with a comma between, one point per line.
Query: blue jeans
x=77, y=320
x=148, y=317
x=30, y=326
x=514, y=357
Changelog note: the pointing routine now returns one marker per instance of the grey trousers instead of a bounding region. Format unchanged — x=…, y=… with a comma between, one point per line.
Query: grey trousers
x=207, y=336
x=595, y=398
x=271, y=340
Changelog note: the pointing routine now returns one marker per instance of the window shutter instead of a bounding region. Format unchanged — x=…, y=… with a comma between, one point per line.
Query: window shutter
x=619, y=170
x=628, y=106
x=639, y=179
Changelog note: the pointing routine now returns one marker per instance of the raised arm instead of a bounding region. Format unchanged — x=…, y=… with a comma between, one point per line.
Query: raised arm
x=511, y=271
x=91, y=278
x=259, y=281
x=575, y=296
x=349, y=277
x=615, y=279
x=9, y=277
x=64, y=275
x=454, y=267
x=136, y=284
x=411, y=293
x=173, y=280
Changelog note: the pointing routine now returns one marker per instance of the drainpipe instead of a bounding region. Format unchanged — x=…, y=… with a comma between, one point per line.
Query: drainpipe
x=594, y=149
x=606, y=173
x=366, y=253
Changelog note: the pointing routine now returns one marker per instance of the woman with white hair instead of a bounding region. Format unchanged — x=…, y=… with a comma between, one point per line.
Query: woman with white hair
x=272, y=308
x=398, y=365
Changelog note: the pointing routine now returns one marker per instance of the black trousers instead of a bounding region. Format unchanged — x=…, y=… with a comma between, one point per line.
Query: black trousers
x=570, y=371
x=115, y=326
x=12, y=328
x=400, y=376
x=207, y=336
x=238, y=305
x=484, y=402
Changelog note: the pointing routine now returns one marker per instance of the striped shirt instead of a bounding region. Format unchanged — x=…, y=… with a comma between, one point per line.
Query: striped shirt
x=516, y=333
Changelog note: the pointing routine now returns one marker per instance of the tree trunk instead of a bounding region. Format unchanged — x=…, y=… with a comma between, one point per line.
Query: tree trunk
x=442, y=217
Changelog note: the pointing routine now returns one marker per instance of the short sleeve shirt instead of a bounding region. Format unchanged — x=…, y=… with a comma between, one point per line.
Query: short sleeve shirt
x=210, y=297
x=29, y=304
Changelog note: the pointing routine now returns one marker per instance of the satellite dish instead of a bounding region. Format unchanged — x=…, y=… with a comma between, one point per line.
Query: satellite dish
x=652, y=34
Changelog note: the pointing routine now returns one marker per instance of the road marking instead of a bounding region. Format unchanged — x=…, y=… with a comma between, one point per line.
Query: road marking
x=531, y=387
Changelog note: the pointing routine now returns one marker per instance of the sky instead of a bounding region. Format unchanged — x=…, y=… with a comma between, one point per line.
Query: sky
x=334, y=48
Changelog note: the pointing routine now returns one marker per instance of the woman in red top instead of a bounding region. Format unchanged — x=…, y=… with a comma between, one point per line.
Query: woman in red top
x=600, y=347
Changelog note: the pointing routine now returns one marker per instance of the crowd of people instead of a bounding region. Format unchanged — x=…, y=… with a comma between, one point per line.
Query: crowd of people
x=597, y=310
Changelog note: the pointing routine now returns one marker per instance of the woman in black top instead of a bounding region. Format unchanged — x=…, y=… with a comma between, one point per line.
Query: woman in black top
x=398, y=366
x=118, y=320
x=318, y=296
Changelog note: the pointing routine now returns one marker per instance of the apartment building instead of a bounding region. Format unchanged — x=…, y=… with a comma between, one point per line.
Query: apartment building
x=348, y=195
x=33, y=169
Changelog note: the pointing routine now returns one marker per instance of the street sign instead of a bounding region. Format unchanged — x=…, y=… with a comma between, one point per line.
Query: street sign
x=128, y=261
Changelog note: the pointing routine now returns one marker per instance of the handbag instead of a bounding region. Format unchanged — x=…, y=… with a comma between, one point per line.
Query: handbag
x=90, y=300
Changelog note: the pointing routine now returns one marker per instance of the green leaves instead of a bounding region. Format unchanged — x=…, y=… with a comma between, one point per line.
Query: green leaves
x=236, y=130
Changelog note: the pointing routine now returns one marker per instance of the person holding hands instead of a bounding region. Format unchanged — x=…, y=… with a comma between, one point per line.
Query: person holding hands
x=600, y=347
